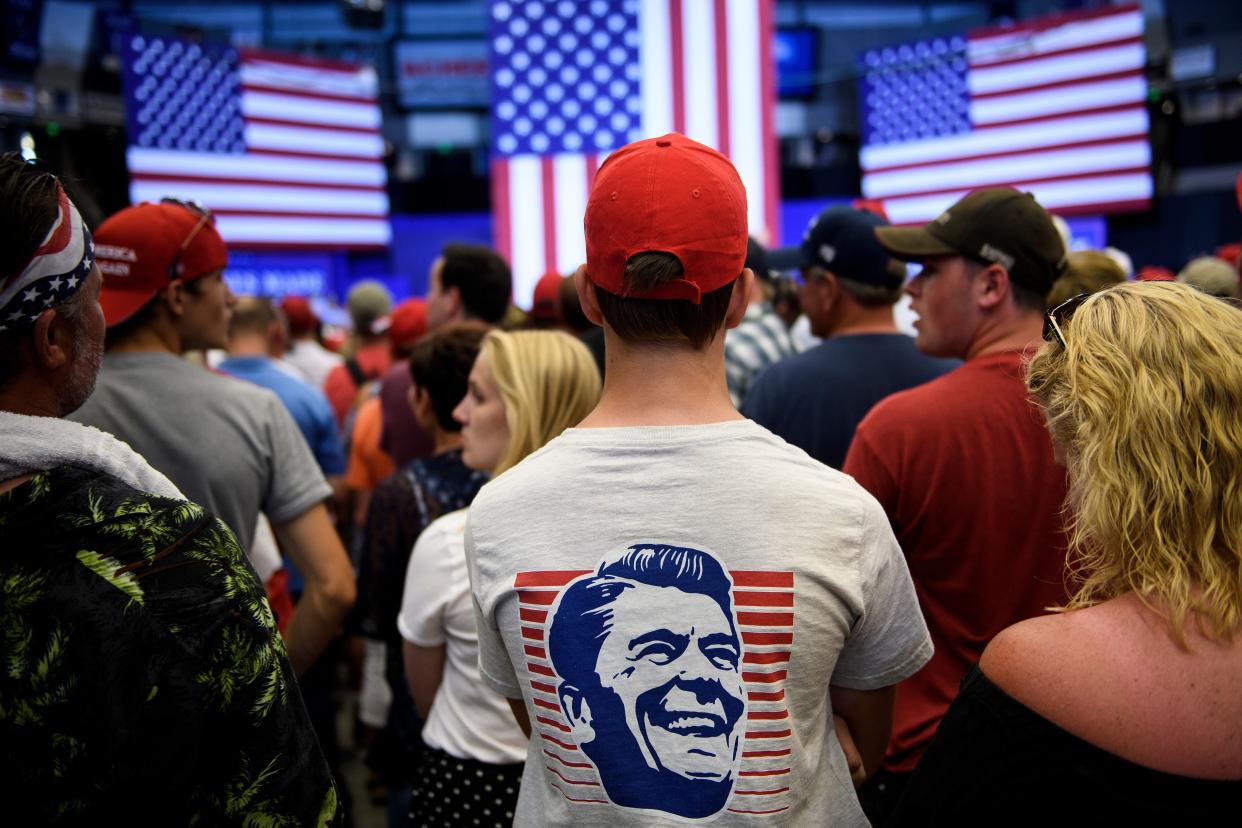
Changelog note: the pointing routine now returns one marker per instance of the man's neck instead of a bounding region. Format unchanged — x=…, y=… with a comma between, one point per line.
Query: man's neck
x=148, y=339
x=442, y=441
x=1019, y=330
x=649, y=386
x=248, y=346
x=857, y=319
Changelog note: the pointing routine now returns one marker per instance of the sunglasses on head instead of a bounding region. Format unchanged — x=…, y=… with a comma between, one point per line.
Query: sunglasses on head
x=1058, y=316
x=204, y=218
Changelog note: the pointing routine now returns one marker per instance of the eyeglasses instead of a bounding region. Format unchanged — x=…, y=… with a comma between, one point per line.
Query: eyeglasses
x=204, y=218
x=1059, y=315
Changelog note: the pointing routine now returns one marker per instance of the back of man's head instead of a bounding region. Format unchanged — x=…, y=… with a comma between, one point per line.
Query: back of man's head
x=440, y=365
x=994, y=226
x=482, y=279
x=665, y=240
x=252, y=315
x=46, y=257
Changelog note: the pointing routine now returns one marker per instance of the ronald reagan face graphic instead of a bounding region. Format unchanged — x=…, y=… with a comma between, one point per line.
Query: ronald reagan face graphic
x=652, y=685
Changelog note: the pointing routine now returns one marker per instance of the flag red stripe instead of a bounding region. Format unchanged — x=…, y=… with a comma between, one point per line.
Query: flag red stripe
x=761, y=793
x=592, y=166
x=766, y=658
x=762, y=599
x=767, y=734
x=238, y=211
x=768, y=715
x=569, y=781
x=541, y=670
x=352, y=130
x=251, y=86
x=766, y=619
x=581, y=799
x=678, y=61
x=322, y=156
x=531, y=596
x=761, y=578
x=569, y=764
x=721, y=25
x=770, y=141
x=1035, y=119
x=758, y=813
x=532, y=615
x=760, y=639
x=543, y=688
x=548, y=174
x=1031, y=182
x=535, y=652
x=556, y=741
x=301, y=245
x=765, y=678
x=1061, y=84
x=545, y=720
x=251, y=54
x=501, y=228
x=1087, y=47
x=533, y=633
x=778, y=772
x=758, y=695
x=983, y=156
x=552, y=577
x=546, y=705
x=191, y=178
x=1041, y=24
x=765, y=754
x=1086, y=208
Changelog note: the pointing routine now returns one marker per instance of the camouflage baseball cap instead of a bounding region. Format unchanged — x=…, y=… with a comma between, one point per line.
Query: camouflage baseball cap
x=997, y=225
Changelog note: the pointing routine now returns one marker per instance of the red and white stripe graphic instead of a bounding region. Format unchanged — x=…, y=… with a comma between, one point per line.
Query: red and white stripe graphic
x=764, y=605
x=1058, y=109
x=708, y=72
x=312, y=176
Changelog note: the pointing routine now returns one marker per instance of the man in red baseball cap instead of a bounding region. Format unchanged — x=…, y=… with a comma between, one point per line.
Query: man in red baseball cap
x=227, y=444
x=675, y=594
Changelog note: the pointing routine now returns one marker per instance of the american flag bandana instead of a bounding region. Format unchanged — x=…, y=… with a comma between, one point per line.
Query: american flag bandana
x=56, y=271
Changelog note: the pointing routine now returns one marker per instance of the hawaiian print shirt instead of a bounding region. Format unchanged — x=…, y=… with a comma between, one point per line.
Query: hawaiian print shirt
x=142, y=680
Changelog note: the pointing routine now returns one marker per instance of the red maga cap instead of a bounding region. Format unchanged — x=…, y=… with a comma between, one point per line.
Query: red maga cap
x=667, y=195
x=140, y=251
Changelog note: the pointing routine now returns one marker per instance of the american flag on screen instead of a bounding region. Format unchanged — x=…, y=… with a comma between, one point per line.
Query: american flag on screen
x=763, y=602
x=574, y=80
x=285, y=151
x=1055, y=106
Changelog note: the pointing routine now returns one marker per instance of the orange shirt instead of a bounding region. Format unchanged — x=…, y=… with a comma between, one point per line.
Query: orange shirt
x=368, y=463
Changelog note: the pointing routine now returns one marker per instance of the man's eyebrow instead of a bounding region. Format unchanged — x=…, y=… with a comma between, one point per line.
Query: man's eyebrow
x=659, y=635
x=715, y=639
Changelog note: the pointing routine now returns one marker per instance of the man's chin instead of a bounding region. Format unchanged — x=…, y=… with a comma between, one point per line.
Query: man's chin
x=693, y=756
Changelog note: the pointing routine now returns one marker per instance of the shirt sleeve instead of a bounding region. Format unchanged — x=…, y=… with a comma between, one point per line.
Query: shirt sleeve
x=889, y=640
x=428, y=589
x=296, y=482
x=495, y=666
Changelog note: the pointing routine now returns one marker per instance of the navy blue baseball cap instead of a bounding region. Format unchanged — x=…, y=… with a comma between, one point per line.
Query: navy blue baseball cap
x=842, y=241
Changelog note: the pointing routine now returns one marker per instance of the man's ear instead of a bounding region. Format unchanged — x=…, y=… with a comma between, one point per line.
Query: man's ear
x=991, y=286
x=452, y=293
x=52, y=340
x=739, y=301
x=174, y=297
x=586, y=296
x=577, y=713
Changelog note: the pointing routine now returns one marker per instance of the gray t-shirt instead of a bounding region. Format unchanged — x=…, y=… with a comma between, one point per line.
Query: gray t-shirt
x=672, y=604
x=227, y=444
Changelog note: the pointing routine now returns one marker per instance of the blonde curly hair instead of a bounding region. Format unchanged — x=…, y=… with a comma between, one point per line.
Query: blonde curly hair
x=549, y=382
x=1145, y=401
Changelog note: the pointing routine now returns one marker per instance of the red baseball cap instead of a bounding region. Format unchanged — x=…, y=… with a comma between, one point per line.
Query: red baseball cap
x=667, y=195
x=297, y=310
x=407, y=323
x=546, y=303
x=141, y=249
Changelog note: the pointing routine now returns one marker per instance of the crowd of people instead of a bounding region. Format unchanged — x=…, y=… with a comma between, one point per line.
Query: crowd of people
x=685, y=543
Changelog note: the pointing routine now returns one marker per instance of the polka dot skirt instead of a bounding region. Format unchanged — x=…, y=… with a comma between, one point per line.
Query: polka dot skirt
x=451, y=792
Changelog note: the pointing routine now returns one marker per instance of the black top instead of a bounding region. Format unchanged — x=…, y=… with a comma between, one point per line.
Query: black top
x=995, y=761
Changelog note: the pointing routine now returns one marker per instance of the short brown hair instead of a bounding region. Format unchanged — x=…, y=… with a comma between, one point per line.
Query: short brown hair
x=662, y=321
x=1086, y=271
x=440, y=365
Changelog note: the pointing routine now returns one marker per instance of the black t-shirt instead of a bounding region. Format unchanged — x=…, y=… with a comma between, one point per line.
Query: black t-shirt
x=995, y=761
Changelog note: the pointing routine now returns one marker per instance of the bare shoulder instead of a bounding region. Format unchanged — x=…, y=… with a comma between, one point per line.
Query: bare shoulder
x=1113, y=676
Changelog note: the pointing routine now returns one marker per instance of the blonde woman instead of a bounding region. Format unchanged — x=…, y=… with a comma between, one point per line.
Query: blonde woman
x=524, y=389
x=1124, y=708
